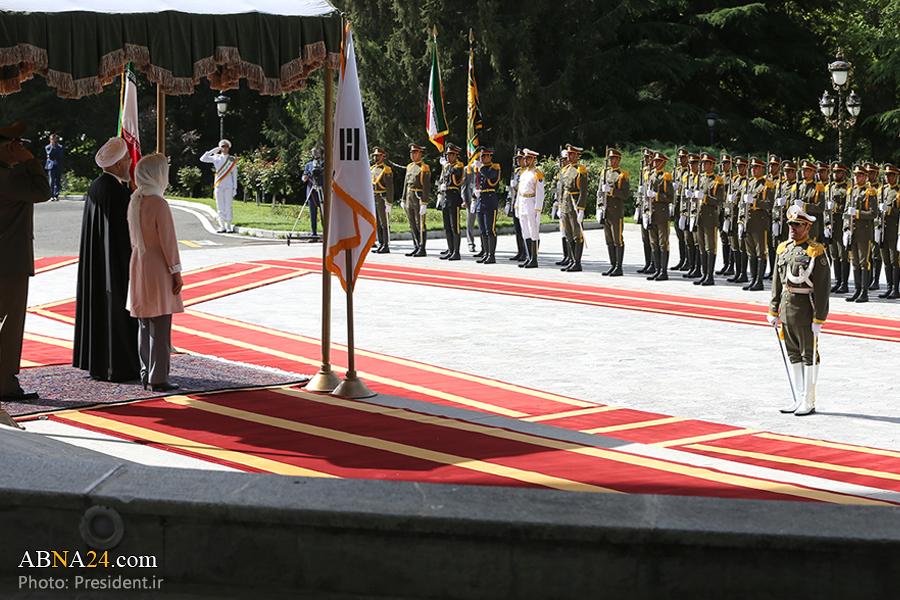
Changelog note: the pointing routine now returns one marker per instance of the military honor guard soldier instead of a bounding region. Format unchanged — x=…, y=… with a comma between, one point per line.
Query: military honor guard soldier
x=511, y=210
x=660, y=193
x=383, y=186
x=678, y=174
x=689, y=185
x=726, y=214
x=759, y=196
x=836, y=194
x=613, y=190
x=738, y=215
x=415, y=197
x=889, y=205
x=452, y=177
x=872, y=171
x=574, y=185
x=859, y=231
x=487, y=203
x=809, y=194
x=800, y=294
x=225, y=182
x=530, y=203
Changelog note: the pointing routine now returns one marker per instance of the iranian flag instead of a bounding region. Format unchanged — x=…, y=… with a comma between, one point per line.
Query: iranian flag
x=436, y=123
x=128, y=116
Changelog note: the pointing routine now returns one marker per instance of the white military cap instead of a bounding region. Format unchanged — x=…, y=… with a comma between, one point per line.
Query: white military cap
x=795, y=214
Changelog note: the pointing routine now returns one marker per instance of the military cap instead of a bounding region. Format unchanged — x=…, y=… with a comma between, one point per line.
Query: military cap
x=795, y=214
x=740, y=160
x=414, y=147
x=707, y=157
x=13, y=131
x=453, y=148
x=531, y=153
x=571, y=148
x=519, y=152
x=487, y=151
x=755, y=162
x=726, y=158
x=889, y=168
x=377, y=150
x=646, y=152
x=613, y=152
x=836, y=166
x=820, y=165
x=660, y=156
x=223, y=143
x=870, y=166
x=807, y=164
x=693, y=158
x=788, y=165
x=682, y=152
x=858, y=168
x=774, y=160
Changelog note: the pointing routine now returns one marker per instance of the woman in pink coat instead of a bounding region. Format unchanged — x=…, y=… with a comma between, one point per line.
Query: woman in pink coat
x=155, y=286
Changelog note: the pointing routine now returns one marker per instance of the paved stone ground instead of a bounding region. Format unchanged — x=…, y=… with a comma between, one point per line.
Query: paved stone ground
x=686, y=367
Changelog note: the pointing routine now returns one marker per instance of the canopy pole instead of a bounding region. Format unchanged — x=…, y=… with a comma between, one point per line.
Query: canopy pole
x=352, y=386
x=160, y=120
x=326, y=380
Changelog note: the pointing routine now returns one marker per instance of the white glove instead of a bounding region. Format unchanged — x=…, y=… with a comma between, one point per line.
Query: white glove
x=443, y=161
x=607, y=188
x=799, y=203
x=580, y=216
x=817, y=328
x=477, y=193
x=387, y=208
x=640, y=189
x=883, y=206
x=423, y=208
x=731, y=198
x=651, y=194
x=748, y=199
x=780, y=201
x=403, y=205
x=827, y=232
x=443, y=187
x=698, y=194
x=478, y=164
x=852, y=210
x=772, y=319
x=830, y=204
x=646, y=221
x=676, y=185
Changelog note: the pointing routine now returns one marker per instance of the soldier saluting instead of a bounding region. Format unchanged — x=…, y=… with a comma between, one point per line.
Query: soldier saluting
x=800, y=294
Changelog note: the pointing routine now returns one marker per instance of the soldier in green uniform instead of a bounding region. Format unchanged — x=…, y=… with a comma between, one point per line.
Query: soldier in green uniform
x=800, y=294
x=660, y=193
x=709, y=196
x=643, y=206
x=573, y=199
x=859, y=231
x=759, y=196
x=774, y=175
x=784, y=193
x=689, y=184
x=725, y=214
x=889, y=204
x=677, y=177
x=835, y=203
x=809, y=195
x=450, y=186
x=613, y=190
x=736, y=229
x=873, y=172
x=416, y=185
x=383, y=186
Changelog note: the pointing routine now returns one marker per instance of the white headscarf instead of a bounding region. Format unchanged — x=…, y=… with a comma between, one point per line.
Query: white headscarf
x=151, y=175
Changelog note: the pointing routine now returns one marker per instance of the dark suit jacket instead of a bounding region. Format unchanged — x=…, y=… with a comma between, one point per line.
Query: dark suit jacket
x=20, y=190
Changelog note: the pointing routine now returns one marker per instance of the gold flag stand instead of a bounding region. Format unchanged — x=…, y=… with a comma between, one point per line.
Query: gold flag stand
x=352, y=386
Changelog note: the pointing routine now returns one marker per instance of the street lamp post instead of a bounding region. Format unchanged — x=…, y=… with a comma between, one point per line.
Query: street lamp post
x=221, y=102
x=711, y=119
x=840, y=81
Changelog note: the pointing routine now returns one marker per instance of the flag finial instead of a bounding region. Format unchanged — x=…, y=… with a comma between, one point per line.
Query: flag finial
x=471, y=36
x=434, y=30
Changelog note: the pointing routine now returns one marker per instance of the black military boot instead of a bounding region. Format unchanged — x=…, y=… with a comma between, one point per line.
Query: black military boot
x=726, y=259
x=701, y=268
x=648, y=260
x=420, y=249
x=889, y=277
x=620, y=255
x=682, y=246
x=845, y=277
x=657, y=262
x=576, y=258
x=688, y=263
x=710, y=277
x=664, y=262
x=482, y=250
x=760, y=271
x=415, y=248
x=566, y=257
x=697, y=271
x=532, y=255
x=895, y=293
x=754, y=267
x=457, y=238
x=732, y=261
x=864, y=287
x=771, y=265
x=875, y=276
x=520, y=248
x=740, y=275
x=611, y=250
x=485, y=249
x=857, y=284
x=492, y=248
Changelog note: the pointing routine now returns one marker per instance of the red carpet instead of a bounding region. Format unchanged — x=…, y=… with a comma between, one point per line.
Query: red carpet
x=200, y=285
x=42, y=350
x=290, y=431
x=42, y=265
x=685, y=305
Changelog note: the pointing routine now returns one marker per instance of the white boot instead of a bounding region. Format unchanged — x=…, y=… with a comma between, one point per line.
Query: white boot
x=809, y=390
x=797, y=379
x=228, y=227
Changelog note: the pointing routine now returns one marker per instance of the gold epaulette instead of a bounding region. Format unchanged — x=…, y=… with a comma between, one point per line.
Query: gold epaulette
x=538, y=174
x=815, y=249
x=667, y=176
x=782, y=247
x=582, y=170
x=770, y=185
x=624, y=174
x=820, y=187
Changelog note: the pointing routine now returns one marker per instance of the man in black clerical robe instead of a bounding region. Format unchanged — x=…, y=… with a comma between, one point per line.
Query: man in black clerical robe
x=105, y=333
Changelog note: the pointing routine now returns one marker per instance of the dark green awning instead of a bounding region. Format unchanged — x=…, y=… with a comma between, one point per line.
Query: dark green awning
x=80, y=51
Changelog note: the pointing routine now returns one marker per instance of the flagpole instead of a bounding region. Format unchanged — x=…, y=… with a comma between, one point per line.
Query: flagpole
x=326, y=380
x=352, y=386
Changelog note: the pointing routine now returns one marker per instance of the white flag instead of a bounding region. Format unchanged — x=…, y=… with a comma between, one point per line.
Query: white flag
x=351, y=223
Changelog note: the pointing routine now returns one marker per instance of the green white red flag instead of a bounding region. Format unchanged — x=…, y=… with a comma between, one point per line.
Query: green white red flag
x=436, y=123
x=128, y=116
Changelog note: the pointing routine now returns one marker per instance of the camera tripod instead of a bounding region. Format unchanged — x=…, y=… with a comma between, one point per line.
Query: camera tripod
x=317, y=192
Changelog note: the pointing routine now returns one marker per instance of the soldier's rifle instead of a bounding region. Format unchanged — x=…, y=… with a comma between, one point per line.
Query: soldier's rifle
x=601, y=194
x=828, y=216
x=512, y=187
x=849, y=224
x=442, y=181
x=729, y=198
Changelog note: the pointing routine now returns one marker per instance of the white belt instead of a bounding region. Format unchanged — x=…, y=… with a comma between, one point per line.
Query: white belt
x=803, y=290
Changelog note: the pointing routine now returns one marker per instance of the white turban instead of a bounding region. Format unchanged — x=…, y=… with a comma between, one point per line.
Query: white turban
x=151, y=175
x=112, y=152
